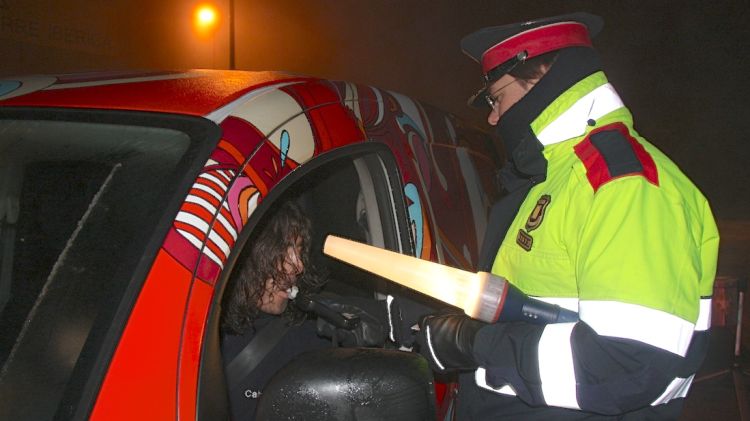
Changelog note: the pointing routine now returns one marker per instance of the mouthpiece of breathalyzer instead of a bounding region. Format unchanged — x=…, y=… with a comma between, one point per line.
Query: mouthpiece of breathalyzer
x=292, y=292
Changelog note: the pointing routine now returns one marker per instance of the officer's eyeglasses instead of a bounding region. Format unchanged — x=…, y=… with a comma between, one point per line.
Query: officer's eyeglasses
x=492, y=101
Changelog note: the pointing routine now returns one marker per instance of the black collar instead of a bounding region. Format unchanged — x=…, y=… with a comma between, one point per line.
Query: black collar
x=514, y=127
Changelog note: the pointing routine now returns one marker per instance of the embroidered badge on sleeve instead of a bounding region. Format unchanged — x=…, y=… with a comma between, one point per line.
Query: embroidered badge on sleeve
x=524, y=239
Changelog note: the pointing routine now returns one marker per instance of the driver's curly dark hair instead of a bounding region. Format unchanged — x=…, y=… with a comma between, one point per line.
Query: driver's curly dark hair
x=263, y=259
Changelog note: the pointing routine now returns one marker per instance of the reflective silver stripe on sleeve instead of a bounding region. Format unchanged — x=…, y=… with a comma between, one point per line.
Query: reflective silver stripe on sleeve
x=480, y=377
x=704, y=316
x=432, y=350
x=631, y=321
x=388, y=303
x=556, y=370
x=677, y=389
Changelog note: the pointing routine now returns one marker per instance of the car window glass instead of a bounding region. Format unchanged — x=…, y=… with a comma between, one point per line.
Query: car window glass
x=78, y=204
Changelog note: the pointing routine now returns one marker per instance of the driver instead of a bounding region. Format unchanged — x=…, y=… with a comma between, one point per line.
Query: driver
x=256, y=310
x=261, y=332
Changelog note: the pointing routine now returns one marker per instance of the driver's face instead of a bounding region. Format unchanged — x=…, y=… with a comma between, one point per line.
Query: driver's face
x=275, y=296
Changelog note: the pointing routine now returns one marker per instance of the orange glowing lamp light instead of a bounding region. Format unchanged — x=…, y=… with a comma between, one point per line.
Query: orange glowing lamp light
x=205, y=18
x=481, y=295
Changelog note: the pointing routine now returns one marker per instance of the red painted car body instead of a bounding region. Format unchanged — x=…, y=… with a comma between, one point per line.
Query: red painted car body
x=422, y=180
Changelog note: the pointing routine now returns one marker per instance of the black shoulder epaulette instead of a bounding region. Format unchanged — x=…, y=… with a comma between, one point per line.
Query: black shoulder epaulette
x=610, y=152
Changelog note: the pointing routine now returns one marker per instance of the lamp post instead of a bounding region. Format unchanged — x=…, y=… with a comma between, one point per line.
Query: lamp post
x=231, y=35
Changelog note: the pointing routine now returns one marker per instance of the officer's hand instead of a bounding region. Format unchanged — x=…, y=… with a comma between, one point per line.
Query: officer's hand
x=447, y=341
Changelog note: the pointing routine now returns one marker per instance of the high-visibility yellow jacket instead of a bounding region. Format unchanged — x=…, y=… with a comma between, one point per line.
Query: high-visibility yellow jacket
x=618, y=233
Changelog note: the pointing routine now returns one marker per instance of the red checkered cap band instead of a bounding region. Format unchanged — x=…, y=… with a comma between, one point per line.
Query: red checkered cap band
x=537, y=41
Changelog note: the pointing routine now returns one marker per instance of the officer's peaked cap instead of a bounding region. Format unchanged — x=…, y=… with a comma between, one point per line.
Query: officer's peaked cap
x=497, y=48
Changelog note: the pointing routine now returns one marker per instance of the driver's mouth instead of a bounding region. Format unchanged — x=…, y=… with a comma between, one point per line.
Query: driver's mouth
x=292, y=292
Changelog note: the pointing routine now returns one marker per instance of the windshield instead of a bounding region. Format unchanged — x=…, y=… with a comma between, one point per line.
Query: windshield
x=82, y=203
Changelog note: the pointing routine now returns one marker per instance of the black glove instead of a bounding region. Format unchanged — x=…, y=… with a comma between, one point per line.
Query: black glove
x=447, y=341
x=371, y=321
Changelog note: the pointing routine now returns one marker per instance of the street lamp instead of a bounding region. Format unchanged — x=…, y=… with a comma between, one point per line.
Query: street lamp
x=205, y=24
x=205, y=19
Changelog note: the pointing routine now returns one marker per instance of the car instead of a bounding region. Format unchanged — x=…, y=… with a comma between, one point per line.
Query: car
x=126, y=197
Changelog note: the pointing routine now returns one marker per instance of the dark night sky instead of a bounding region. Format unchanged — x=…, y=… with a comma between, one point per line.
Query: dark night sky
x=681, y=66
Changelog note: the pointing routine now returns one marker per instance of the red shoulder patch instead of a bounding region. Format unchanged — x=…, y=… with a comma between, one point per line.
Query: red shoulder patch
x=610, y=152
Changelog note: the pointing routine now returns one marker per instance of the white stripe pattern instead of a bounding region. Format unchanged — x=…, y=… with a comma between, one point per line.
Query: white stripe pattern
x=221, y=184
x=208, y=190
x=219, y=180
x=219, y=242
x=643, y=324
x=198, y=243
x=211, y=255
x=201, y=202
x=190, y=219
x=226, y=175
x=704, y=315
x=227, y=225
x=556, y=370
x=191, y=238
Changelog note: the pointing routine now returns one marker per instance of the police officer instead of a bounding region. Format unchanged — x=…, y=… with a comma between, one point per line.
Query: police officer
x=597, y=220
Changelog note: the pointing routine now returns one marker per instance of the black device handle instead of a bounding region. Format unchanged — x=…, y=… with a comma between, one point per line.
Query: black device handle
x=520, y=307
x=311, y=305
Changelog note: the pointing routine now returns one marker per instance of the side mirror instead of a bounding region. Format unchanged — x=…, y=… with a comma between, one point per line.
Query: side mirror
x=351, y=384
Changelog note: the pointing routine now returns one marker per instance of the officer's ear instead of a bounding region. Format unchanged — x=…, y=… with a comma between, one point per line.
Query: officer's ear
x=543, y=68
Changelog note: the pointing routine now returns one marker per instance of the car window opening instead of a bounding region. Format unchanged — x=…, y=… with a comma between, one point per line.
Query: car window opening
x=349, y=197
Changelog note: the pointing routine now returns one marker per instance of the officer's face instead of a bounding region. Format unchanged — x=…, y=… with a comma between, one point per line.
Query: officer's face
x=505, y=92
x=275, y=296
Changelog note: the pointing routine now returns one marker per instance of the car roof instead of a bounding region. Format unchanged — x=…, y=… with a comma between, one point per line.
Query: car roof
x=191, y=92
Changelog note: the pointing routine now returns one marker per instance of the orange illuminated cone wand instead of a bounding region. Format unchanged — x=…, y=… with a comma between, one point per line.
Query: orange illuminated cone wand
x=481, y=295
x=465, y=290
